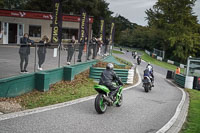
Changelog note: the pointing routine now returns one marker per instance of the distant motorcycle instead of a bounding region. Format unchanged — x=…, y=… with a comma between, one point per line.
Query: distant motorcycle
x=138, y=60
x=147, y=84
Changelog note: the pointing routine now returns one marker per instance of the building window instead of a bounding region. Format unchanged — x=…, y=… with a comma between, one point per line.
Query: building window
x=34, y=31
x=68, y=33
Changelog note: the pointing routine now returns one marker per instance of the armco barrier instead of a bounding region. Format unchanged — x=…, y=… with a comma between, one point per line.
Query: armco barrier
x=180, y=80
x=95, y=73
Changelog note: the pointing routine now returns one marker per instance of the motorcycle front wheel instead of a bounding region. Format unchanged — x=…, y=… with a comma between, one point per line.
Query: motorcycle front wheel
x=100, y=104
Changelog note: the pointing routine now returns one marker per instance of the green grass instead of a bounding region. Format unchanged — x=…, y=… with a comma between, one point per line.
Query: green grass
x=166, y=65
x=123, y=61
x=192, y=125
x=117, y=52
x=60, y=92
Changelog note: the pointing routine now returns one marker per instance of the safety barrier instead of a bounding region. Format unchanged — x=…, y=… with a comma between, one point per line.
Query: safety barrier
x=165, y=60
x=125, y=74
x=180, y=80
x=18, y=85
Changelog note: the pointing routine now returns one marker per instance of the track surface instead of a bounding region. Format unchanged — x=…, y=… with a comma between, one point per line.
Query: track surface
x=140, y=113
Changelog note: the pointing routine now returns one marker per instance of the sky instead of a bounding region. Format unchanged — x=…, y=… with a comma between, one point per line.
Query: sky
x=134, y=10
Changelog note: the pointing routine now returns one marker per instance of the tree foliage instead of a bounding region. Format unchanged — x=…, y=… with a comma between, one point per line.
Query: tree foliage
x=179, y=25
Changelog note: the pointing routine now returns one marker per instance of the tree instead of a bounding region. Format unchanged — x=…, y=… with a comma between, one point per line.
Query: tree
x=13, y=4
x=178, y=25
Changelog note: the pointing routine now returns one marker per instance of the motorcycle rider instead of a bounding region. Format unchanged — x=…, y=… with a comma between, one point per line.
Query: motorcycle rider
x=150, y=68
x=107, y=77
x=138, y=59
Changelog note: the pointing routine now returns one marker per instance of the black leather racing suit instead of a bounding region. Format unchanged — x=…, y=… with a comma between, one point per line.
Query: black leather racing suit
x=107, y=77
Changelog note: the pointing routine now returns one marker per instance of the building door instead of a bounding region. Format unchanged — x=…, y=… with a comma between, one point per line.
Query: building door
x=12, y=33
x=20, y=32
x=5, y=33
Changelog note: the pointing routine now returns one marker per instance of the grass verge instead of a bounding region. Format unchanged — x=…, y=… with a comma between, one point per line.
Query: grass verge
x=192, y=125
x=166, y=65
x=123, y=61
x=117, y=52
x=63, y=91
x=60, y=92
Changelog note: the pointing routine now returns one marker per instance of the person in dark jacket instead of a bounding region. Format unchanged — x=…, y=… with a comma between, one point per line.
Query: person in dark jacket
x=107, y=77
x=81, y=47
x=106, y=46
x=71, y=49
x=24, y=52
x=42, y=51
x=92, y=45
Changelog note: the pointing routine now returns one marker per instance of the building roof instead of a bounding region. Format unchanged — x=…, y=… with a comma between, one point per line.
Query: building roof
x=38, y=15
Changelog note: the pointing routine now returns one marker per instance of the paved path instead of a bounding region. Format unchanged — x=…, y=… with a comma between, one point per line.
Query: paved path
x=140, y=113
x=10, y=60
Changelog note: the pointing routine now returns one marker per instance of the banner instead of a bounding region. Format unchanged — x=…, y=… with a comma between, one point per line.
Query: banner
x=83, y=29
x=56, y=35
x=112, y=32
x=102, y=30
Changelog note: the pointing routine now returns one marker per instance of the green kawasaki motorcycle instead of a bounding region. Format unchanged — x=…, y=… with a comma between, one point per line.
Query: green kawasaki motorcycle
x=102, y=100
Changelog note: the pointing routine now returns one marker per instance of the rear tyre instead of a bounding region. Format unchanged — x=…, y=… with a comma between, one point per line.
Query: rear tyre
x=146, y=89
x=100, y=104
x=120, y=101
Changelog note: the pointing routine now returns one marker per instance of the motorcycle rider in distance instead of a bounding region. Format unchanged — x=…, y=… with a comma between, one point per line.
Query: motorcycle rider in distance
x=138, y=60
x=107, y=77
x=150, y=68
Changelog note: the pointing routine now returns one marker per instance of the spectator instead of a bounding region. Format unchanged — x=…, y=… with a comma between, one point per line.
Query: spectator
x=178, y=70
x=71, y=49
x=92, y=45
x=24, y=52
x=1, y=34
x=81, y=47
x=106, y=46
x=99, y=46
x=42, y=51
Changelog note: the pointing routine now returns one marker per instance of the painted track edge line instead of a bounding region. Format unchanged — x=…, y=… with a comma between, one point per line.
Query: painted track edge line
x=56, y=106
x=170, y=123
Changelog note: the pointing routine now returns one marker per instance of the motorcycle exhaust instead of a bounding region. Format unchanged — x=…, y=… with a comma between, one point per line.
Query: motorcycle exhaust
x=107, y=99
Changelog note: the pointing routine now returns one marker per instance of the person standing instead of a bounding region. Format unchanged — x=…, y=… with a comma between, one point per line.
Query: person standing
x=99, y=45
x=42, y=51
x=71, y=49
x=92, y=45
x=1, y=34
x=24, y=52
x=81, y=47
x=106, y=46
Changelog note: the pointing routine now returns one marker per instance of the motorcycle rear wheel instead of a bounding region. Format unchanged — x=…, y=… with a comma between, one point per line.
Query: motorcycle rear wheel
x=100, y=104
x=146, y=89
x=120, y=101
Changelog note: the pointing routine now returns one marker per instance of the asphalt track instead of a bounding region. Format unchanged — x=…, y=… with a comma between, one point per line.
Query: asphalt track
x=140, y=113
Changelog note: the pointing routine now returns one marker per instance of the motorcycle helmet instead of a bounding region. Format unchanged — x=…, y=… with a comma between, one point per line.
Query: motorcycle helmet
x=109, y=66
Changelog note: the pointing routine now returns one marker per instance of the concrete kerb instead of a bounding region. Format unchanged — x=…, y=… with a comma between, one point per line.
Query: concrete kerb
x=55, y=106
x=171, y=122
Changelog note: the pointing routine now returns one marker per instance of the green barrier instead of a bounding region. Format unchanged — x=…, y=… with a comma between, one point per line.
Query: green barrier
x=15, y=86
x=180, y=80
x=95, y=73
x=18, y=85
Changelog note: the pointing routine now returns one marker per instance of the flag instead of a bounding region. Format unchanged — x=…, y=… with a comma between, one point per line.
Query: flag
x=112, y=32
x=102, y=30
x=83, y=29
x=56, y=35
